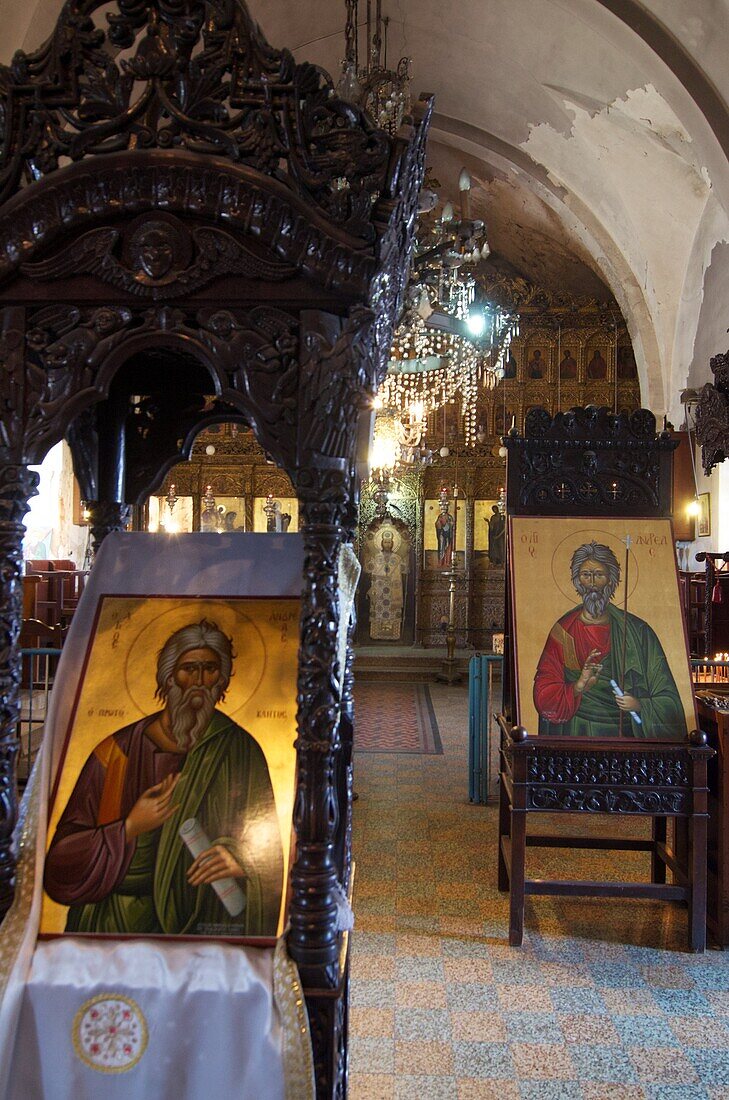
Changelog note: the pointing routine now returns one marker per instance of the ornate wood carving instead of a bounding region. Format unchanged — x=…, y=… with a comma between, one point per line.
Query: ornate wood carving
x=712, y=415
x=589, y=460
x=346, y=769
x=313, y=939
x=236, y=98
x=661, y=769
x=252, y=361
x=334, y=372
x=14, y=387
x=653, y=781
x=606, y=800
x=105, y=517
x=39, y=218
x=328, y=1020
x=17, y=485
x=156, y=256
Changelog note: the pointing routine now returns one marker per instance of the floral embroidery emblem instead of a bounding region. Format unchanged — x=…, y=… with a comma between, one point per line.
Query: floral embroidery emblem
x=110, y=1033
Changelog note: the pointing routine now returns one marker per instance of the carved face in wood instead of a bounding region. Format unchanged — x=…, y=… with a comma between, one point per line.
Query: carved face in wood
x=152, y=251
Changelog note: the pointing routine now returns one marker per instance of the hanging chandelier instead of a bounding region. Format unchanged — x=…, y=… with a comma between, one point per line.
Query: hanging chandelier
x=448, y=345
x=384, y=93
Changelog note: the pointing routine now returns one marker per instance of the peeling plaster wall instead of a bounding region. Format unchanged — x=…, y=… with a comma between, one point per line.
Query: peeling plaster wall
x=702, y=26
x=50, y=530
x=632, y=165
x=704, y=309
x=711, y=332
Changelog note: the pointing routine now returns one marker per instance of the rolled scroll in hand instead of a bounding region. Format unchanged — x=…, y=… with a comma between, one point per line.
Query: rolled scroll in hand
x=619, y=693
x=196, y=841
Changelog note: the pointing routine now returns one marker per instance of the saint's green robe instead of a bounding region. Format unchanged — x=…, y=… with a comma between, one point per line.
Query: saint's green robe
x=647, y=676
x=224, y=784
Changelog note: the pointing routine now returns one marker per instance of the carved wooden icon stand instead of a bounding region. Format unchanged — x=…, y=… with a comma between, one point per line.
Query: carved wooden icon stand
x=588, y=462
x=194, y=228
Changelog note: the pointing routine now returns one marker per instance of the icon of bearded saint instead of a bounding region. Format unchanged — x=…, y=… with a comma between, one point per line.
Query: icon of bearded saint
x=117, y=859
x=583, y=658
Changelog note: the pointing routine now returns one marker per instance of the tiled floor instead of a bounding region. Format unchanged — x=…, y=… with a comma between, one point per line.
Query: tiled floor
x=600, y=1002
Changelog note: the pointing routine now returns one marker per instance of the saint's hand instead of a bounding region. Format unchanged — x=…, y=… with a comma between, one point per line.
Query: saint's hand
x=213, y=864
x=152, y=808
x=590, y=672
x=628, y=702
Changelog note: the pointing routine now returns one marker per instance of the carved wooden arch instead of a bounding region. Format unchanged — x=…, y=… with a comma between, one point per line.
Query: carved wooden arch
x=169, y=180
x=249, y=356
x=86, y=200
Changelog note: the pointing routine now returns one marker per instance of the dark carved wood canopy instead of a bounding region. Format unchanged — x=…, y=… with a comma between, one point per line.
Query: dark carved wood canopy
x=194, y=226
x=712, y=415
x=589, y=460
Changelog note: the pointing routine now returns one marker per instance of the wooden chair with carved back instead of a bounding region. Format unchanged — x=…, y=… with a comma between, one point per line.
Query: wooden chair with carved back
x=594, y=464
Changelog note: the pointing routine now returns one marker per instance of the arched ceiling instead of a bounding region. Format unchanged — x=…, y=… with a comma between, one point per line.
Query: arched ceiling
x=596, y=133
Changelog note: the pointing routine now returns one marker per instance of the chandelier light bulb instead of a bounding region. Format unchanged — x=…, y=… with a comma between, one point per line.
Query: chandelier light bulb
x=693, y=508
x=464, y=180
x=384, y=453
x=448, y=213
x=476, y=322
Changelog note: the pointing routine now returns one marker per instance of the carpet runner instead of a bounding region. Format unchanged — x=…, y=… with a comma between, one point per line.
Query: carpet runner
x=395, y=718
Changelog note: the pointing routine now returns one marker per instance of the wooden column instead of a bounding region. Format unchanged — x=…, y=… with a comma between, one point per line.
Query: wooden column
x=17, y=486
x=105, y=517
x=109, y=512
x=346, y=767
x=313, y=940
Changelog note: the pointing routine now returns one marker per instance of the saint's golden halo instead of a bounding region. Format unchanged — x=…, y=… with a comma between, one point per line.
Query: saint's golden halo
x=562, y=559
x=249, y=663
x=376, y=533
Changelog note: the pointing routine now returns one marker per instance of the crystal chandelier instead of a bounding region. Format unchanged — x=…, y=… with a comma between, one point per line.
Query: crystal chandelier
x=447, y=345
x=384, y=93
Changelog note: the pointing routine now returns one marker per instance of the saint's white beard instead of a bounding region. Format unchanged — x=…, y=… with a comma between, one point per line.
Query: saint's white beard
x=595, y=603
x=188, y=722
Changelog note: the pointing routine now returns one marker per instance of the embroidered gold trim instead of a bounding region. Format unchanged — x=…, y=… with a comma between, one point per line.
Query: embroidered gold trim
x=15, y=925
x=298, y=1060
x=348, y=571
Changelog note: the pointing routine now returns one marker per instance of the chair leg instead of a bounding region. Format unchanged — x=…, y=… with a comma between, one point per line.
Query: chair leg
x=697, y=905
x=518, y=865
x=659, y=833
x=504, y=830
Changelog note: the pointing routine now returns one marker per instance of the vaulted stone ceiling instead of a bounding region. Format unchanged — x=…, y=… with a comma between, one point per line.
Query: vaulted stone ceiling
x=596, y=133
